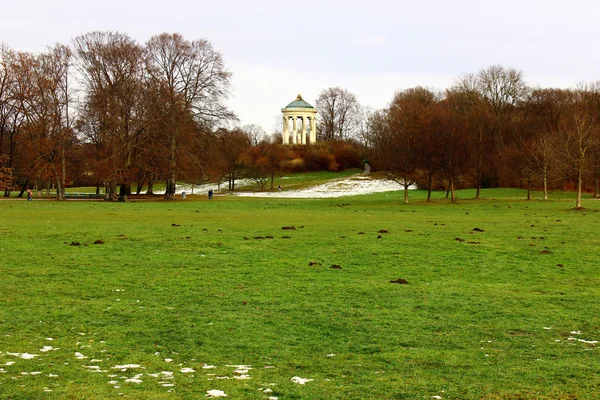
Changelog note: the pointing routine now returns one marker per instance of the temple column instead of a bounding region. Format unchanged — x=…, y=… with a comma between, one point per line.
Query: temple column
x=286, y=133
x=313, y=130
x=303, y=136
x=294, y=131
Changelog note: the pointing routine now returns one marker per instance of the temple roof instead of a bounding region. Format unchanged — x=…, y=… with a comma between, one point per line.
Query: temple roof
x=298, y=103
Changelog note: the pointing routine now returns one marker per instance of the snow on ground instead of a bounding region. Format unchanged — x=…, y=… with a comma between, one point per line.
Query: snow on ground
x=352, y=186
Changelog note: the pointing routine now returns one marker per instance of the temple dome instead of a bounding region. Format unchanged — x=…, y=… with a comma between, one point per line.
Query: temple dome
x=298, y=103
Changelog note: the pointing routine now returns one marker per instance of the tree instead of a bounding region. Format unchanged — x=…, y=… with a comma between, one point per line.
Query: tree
x=46, y=103
x=265, y=161
x=579, y=135
x=191, y=82
x=256, y=133
x=339, y=113
x=503, y=89
x=479, y=122
x=112, y=71
x=5, y=174
x=232, y=145
x=402, y=133
x=11, y=115
x=455, y=140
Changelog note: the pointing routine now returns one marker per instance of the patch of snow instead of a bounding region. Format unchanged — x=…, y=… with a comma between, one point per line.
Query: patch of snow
x=46, y=349
x=25, y=356
x=587, y=341
x=167, y=385
x=215, y=393
x=575, y=332
x=206, y=366
x=125, y=367
x=187, y=370
x=168, y=360
x=80, y=356
x=301, y=381
x=330, y=355
x=343, y=187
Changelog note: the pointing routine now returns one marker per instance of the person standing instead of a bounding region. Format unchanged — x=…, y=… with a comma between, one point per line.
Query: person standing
x=29, y=195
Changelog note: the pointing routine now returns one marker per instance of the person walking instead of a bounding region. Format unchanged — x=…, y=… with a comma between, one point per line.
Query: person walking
x=29, y=195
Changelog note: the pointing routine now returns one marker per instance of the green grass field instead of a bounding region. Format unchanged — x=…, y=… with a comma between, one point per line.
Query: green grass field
x=508, y=311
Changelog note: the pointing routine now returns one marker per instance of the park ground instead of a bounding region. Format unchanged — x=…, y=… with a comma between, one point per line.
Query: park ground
x=359, y=297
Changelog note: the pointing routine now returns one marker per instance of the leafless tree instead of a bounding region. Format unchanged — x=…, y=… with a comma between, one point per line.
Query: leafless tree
x=339, y=114
x=112, y=71
x=191, y=82
x=503, y=88
x=579, y=135
x=256, y=133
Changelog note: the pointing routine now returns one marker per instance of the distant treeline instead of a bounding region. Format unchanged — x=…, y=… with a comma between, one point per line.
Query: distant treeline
x=109, y=112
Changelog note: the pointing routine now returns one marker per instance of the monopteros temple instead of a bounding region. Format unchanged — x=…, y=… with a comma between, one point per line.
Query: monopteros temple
x=303, y=115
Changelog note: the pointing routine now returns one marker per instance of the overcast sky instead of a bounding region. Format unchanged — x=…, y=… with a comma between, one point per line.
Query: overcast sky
x=277, y=49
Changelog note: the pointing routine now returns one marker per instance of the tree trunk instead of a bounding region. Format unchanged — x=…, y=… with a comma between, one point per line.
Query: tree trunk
x=596, y=184
x=545, y=181
x=63, y=162
x=24, y=188
x=528, y=189
x=452, y=190
x=406, y=193
x=140, y=185
x=60, y=193
x=429, y=183
x=479, y=166
x=123, y=192
x=150, y=190
x=170, y=192
x=579, y=182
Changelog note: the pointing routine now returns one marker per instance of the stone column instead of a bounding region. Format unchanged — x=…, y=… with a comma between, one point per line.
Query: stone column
x=303, y=136
x=294, y=131
x=286, y=133
x=313, y=130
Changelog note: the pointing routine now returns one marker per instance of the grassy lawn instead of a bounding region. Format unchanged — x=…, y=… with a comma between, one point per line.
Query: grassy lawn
x=508, y=311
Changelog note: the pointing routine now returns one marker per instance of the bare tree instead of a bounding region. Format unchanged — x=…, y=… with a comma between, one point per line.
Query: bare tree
x=46, y=105
x=11, y=115
x=478, y=118
x=256, y=133
x=503, y=88
x=111, y=67
x=339, y=113
x=579, y=135
x=191, y=82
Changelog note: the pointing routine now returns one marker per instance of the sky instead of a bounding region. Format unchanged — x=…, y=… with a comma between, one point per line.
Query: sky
x=278, y=49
